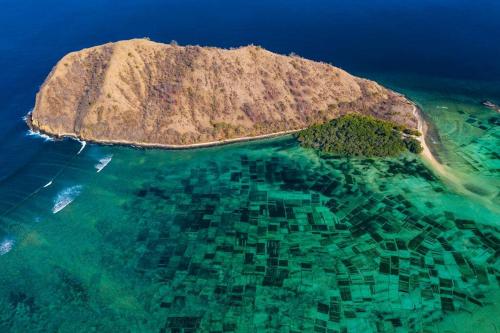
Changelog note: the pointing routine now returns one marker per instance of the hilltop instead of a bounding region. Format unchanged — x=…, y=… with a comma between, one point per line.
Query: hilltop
x=147, y=93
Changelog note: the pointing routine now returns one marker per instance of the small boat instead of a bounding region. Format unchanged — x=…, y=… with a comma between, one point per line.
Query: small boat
x=491, y=105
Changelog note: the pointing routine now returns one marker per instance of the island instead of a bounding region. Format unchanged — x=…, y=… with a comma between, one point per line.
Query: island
x=149, y=94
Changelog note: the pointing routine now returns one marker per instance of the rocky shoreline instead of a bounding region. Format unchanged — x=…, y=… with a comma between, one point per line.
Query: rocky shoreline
x=145, y=145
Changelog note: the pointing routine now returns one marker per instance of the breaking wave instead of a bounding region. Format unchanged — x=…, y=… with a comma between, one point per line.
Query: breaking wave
x=45, y=137
x=103, y=162
x=6, y=245
x=84, y=143
x=65, y=197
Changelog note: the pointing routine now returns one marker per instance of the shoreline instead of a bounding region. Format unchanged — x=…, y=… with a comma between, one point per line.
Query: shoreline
x=447, y=175
x=440, y=170
x=142, y=145
x=429, y=158
x=427, y=153
x=421, y=126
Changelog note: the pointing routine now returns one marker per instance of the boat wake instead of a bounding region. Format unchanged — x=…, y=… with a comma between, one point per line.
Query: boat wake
x=65, y=197
x=48, y=184
x=441, y=107
x=103, y=162
x=6, y=245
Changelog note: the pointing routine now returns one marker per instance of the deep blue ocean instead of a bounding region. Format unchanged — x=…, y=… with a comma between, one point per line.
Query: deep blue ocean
x=131, y=256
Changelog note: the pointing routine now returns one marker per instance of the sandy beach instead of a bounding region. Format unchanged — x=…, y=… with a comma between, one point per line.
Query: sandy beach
x=441, y=170
x=426, y=153
x=451, y=177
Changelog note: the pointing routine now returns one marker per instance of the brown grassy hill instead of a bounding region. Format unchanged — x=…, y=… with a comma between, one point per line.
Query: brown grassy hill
x=142, y=92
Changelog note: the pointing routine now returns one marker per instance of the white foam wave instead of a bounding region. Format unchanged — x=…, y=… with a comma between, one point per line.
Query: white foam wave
x=65, y=197
x=441, y=107
x=103, y=162
x=45, y=137
x=48, y=184
x=84, y=143
x=25, y=117
x=6, y=245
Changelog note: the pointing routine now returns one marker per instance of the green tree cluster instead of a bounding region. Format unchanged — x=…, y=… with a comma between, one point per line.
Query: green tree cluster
x=413, y=145
x=358, y=135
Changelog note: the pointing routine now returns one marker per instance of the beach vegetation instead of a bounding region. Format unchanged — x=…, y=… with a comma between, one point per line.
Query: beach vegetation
x=411, y=131
x=359, y=135
x=413, y=145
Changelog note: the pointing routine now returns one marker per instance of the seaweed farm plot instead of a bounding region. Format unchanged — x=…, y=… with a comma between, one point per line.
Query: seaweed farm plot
x=255, y=237
x=273, y=243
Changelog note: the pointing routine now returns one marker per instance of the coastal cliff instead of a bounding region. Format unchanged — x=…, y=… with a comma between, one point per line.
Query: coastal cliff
x=145, y=93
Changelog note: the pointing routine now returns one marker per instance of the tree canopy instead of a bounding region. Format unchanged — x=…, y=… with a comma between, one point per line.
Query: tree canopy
x=358, y=135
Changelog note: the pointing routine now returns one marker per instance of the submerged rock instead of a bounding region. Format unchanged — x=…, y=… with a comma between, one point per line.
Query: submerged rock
x=146, y=93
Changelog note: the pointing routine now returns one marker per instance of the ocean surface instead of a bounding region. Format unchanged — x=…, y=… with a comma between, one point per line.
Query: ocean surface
x=262, y=236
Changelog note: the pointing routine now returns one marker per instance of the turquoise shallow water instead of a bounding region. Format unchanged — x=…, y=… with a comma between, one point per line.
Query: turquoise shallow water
x=259, y=236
